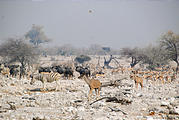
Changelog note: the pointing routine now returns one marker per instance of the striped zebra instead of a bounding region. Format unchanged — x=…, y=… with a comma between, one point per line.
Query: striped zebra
x=45, y=77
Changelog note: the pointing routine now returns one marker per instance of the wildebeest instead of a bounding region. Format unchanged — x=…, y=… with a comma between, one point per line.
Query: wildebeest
x=14, y=70
x=65, y=70
x=45, y=69
x=68, y=73
x=58, y=68
x=83, y=71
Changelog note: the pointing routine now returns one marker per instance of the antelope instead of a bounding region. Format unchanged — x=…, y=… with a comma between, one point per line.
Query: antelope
x=160, y=77
x=137, y=79
x=117, y=70
x=98, y=74
x=148, y=77
x=93, y=84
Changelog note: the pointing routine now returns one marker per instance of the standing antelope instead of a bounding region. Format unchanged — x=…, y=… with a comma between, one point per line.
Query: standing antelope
x=137, y=79
x=93, y=84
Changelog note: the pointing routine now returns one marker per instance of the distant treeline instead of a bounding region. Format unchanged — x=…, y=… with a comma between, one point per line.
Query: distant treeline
x=67, y=50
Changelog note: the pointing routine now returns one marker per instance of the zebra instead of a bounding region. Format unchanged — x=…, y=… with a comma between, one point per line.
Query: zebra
x=45, y=77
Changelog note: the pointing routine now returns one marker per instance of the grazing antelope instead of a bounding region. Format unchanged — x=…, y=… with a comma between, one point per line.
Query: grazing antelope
x=98, y=74
x=168, y=78
x=129, y=69
x=160, y=77
x=93, y=84
x=46, y=77
x=114, y=71
x=148, y=77
x=137, y=79
x=173, y=77
x=117, y=70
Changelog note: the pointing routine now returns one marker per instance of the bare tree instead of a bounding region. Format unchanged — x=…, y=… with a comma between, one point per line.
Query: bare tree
x=170, y=42
x=36, y=35
x=17, y=50
x=135, y=54
x=107, y=62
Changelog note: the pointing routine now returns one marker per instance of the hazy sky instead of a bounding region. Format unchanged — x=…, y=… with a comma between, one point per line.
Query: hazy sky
x=113, y=23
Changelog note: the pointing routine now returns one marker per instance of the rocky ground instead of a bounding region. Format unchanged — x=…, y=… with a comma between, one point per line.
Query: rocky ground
x=21, y=101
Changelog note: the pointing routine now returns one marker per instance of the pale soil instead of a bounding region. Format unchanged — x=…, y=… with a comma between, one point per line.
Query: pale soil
x=70, y=101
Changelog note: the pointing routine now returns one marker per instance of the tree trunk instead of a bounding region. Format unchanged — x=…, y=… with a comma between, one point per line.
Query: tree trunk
x=107, y=62
x=114, y=83
x=177, y=67
x=98, y=65
x=22, y=69
x=133, y=62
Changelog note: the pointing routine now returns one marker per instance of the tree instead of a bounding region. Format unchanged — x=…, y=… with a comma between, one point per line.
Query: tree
x=107, y=62
x=66, y=50
x=170, y=42
x=106, y=49
x=96, y=49
x=82, y=58
x=17, y=50
x=36, y=35
x=155, y=56
x=134, y=53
